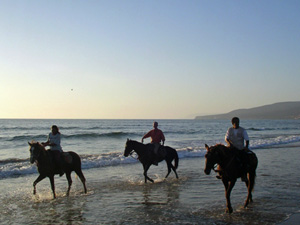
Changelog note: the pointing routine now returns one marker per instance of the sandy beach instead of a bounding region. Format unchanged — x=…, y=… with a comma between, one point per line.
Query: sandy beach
x=118, y=195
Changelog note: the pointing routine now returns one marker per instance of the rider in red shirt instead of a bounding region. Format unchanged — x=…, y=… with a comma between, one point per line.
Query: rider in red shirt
x=157, y=136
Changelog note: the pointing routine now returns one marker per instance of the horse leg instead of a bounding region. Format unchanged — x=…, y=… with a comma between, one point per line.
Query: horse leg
x=51, y=178
x=146, y=168
x=250, y=186
x=174, y=169
x=169, y=168
x=40, y=177
x=228, y=188
x=82, y=178
x=68, y=175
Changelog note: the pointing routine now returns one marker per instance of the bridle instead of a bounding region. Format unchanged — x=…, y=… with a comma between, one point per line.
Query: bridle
x=33, y=153
x=131, y=153
x=223, y=168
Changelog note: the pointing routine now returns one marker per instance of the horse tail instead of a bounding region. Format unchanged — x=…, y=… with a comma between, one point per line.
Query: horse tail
x=255, y=163
x=176, y=159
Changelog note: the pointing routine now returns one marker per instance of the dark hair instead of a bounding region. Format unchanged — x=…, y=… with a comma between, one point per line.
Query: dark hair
x=55, y=127
x=235, y=119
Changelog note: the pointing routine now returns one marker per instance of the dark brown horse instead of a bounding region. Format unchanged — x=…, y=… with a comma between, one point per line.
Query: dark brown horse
x=147, y=157
x=230, y=162
x=46, y=166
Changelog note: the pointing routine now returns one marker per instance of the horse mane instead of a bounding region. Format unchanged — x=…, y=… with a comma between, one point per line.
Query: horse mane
x=134, y=141
x=38, y=144
x=217, y=146
x=220, y=144
x=220, y=148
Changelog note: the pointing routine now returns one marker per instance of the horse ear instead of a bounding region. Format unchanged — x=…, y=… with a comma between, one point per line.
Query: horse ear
x=206, y=146
x=29, y=143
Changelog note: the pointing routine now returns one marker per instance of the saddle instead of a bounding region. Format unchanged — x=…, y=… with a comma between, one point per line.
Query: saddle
x=64, y=157
x=161, y=152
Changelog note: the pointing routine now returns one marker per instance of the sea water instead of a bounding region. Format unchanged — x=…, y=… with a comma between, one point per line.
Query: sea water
x=116, y=190
x=101, y=143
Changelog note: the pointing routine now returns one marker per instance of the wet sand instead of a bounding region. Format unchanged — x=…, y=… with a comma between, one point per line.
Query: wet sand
x=118, y=195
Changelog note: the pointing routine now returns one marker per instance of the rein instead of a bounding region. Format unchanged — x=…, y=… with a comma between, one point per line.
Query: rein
x=132, y=156
x=37, y=156
x=228, y=164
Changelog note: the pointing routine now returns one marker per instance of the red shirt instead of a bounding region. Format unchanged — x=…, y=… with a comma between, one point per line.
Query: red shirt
x=156, y=136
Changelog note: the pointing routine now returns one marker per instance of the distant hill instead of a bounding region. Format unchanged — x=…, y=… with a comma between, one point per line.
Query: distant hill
x=281, y=110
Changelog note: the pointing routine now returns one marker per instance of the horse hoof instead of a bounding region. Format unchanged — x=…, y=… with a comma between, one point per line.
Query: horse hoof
x=229, y=210
x=247, y=202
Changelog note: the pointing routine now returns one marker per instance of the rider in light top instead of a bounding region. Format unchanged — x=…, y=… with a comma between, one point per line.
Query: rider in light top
x=157, y=136
x=54, y=142
x=235, y=137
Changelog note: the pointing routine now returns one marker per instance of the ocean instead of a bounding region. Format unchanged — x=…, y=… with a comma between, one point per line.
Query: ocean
x=119, y=180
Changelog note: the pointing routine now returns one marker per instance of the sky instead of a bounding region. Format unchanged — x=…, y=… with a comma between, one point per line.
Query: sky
x=136, y=59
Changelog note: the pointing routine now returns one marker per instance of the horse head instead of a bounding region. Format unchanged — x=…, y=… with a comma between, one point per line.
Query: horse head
x=35, y=149
x=128, y=148
x=211, y=158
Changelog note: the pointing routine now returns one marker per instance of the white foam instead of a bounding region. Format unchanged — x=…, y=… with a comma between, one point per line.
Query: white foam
x=23, y=167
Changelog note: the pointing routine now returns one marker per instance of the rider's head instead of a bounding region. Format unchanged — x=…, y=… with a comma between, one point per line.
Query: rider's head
x=235, y=122
x=155, y=124
x=54, y=129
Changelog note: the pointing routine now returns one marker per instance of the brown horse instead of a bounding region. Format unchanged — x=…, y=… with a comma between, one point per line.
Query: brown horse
x=230, y=162
x=147, y=156
x=46, y=167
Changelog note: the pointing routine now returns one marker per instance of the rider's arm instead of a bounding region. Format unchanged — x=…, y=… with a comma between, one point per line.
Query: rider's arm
x=247, y=144
x=163, y=138
x=146, y=135
x=228, y=142
x=246, y=137
x=46, y=143
x=227, y=138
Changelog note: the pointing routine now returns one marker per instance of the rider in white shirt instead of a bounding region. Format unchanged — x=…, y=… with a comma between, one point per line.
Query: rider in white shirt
x=54, y=142
x=236, y=137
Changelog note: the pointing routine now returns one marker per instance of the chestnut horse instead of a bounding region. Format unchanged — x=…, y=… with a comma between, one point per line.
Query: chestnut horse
x=46, y=167
x=229, y=161
x=147, y=157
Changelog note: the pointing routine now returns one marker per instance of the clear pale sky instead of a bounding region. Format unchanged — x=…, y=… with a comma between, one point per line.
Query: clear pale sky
x=146, y=59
